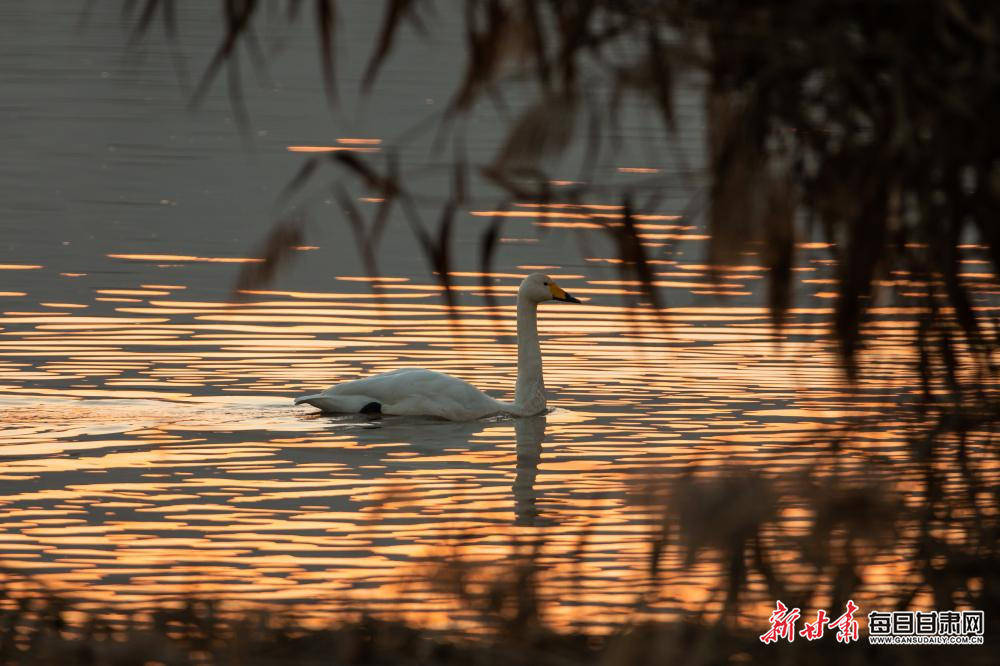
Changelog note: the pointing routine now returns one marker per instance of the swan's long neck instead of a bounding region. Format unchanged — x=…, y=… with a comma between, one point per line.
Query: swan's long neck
x=529, y=395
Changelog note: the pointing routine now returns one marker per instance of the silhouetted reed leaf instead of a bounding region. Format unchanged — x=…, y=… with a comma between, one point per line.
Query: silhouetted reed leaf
x=234, y=87
x=173, y=40
x=482, y=48
x=738, y=202
x=276, y=250
x=489, y=242
x=363, y=170
x=539, y=46
x=441, y=253
x=779, y=253
x=395, y=12
x=299, y=180
x=858, y=262
x=366, y=246
x=238, y=14
x=661, y=73
x=543, y=130
x=326, y=14
x=145, y=18
x=634, y=262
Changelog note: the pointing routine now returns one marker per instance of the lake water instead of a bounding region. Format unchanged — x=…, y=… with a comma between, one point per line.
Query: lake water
x=149, y=448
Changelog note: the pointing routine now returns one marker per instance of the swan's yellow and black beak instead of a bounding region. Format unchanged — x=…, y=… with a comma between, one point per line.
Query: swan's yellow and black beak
x=559, y=294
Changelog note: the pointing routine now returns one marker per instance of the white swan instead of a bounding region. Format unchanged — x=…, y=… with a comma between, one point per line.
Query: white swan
x=419, y=392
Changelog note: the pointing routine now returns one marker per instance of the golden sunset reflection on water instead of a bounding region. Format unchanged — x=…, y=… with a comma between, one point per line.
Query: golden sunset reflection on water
x=150, y=449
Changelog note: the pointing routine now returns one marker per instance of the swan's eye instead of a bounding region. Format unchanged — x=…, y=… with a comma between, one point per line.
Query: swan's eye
x=545, y=284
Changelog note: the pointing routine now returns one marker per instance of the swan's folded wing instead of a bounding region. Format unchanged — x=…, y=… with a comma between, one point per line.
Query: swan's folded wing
x=398, y=385
x=409, y=391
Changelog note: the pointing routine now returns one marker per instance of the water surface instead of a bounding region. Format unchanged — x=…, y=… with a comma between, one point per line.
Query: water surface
x=149, y=448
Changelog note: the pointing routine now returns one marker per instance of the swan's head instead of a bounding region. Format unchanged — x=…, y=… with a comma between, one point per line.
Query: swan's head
x=538, y=288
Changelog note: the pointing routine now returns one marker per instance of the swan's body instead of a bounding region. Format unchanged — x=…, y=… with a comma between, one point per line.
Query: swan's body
x=419, y=392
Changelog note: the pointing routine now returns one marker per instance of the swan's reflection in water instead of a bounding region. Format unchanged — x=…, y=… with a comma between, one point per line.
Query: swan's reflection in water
x=530, y=432
x=431, y=437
